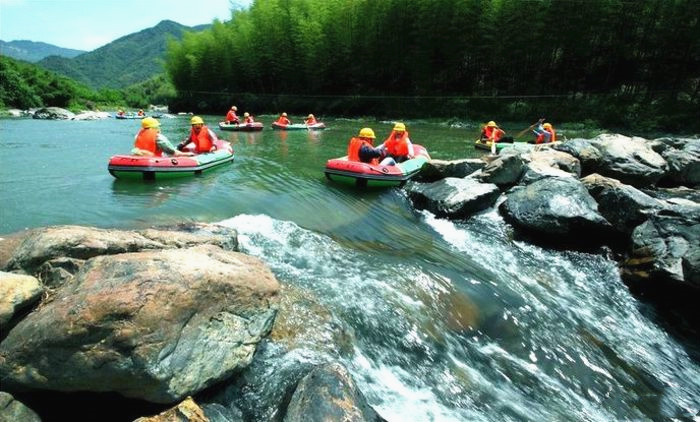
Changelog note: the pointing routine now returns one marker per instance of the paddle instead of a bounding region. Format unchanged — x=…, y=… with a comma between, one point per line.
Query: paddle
x=521, y=133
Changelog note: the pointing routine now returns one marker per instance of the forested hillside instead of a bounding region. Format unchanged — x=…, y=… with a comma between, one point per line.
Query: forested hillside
x=618, y=62
x=32, y=51
x=24, y=85
x=131, y=59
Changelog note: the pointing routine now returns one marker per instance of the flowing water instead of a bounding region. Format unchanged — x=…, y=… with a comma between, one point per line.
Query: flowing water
x=450, y=320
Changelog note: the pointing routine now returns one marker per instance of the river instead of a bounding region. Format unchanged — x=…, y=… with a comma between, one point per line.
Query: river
x=449, y=320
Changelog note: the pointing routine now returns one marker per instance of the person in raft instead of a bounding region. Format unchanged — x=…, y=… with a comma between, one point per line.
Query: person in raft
x=283, y=120
x=361, y=148
x=231, y=117
x=203, y=138
x=492, y=133
x=247, y=118
x=398, y=146
x=150, y=142
x=140, y=113
x=310, y=120
x=544, y=133
x=120, y=112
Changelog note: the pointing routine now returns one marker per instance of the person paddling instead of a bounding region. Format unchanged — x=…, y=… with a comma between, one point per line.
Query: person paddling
x=283, y=120
x=150, y=142
x=361, y=148
x=491, y=132
x=231, y=117
x=398, y=146
x=544, y=133
x=203, y=138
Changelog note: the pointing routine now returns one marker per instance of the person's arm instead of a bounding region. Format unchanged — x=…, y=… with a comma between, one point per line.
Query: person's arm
x=367, y=153
x=165, y=145
x=213, y=138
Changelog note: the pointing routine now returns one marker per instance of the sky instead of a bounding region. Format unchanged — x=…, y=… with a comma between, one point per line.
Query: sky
x=89, y=24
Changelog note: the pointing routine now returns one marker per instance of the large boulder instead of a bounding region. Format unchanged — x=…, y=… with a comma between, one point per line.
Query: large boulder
x=155, y=325
x=453, y=198
x=186, y=411
x=683, y=164
x=624, y=206
x=12, y=410
x=555, y=206
x=53, y=113
x=556, y=159
x=435, y=170
x=16, y=293
x=629, y=160
x=328, y=393
x=38, y=246
x=504, y=171
x=666, y=249
x=588, y=155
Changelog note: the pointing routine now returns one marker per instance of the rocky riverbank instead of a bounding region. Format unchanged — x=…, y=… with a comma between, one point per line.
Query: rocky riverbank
x=633, y=197
x=159, y=316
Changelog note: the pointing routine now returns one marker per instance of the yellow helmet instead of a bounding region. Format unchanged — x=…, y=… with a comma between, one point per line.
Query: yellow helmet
x=491, y=124
x=366, y=133
x=246, y=114
x=196, y=120
x=234, y=108
x=399, y=127
x=284, y=114
x=149, y=122
x=547, y=125
x=310, y=116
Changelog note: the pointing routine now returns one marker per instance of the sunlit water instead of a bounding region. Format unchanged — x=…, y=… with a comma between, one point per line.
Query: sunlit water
x=450, y=321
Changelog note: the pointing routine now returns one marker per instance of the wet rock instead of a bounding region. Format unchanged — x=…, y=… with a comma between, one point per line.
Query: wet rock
x=666, y=249
x=535, y=171
x=453, y=198
x=305, y=334
x=556, y=159
x=91, y=115
x=678, y=193
x=56, y=272
x=17, y=292
x=186, y=411
x=329, y=393
x=53, y=113
x=624, y=206
x=155, y=325
x=683, y=164
x=303, y=322
x=439, y=169
x=629, y=160
x=13, y=410
x=504, y=171
x=218, y=413
x=554, y=206
x=588, y=155
x=41, y=245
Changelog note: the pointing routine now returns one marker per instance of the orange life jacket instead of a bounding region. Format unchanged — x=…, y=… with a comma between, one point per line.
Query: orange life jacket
x=231, y=117
x=249, y=119
x=354, y=150
x=397, y=147
x=202, y=141
x=552, y=136
x=311, y=121
x=493, y=133
x=146, y=140
x=283, y=121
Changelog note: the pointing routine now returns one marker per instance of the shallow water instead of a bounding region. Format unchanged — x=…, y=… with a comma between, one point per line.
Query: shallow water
x=449, y=321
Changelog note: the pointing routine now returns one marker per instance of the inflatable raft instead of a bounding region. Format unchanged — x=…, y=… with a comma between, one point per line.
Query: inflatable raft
x=367, y=175
x=243, y=127
x=298, y=126
x=135, y=167
x=128, y=116
x=520, y=146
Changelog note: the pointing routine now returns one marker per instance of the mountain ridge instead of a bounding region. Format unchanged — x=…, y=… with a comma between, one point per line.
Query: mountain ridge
x=33, y=51
x=129, y=59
